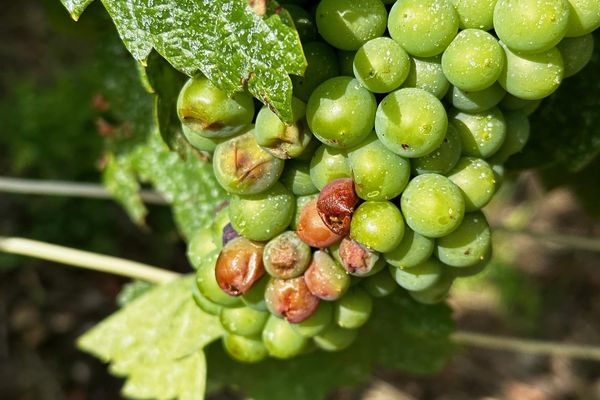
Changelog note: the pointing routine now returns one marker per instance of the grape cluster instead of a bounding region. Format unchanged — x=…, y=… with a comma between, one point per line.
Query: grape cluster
x=401, y=124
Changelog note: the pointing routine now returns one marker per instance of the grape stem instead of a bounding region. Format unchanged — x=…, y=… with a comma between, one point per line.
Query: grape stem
x=68, y=189
x=526, y=346
x=86, y=260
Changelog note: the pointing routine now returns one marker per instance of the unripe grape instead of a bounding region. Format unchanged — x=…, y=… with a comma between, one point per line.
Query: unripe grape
x=478, y=14
x=204, y=303
x=243, y=321
x=517, y=134
x=262, y=216
x=512, y=103
x=531, y=26
x=296, y=178
x=220, y=221
x=411, y=122
x=432, y=205
x=281, y=340
x=322, y=64
x=348, y=24
x=241, y=166
x=283, y=140
x=336, y=203
x=286, y=256
x=424, y=28
x=412, y=250
x=481, y=133
x=476, y=180
x=381, y=65
x=239, y=265
x=325, y=278
x=245, y=349
x=418, y=278
x=334, y=338
x=380, y=285
x=378, y=225
x=340, y=112
x=290, y=299
x=255, y=296
x=378, y=173
x=468, y=245
x=353, y=309
x=304, y=23
x=435, y=293
x=465, y=272
x=359, y=260
x=208, y=286
x=473, y=61
x=200, y=142
x=473, y=102
x=317, y=322
x=209, y=112
x=312, y=230
x=200, y=246
x=576, y=53
x=442, y=159
x=328, y=164
x=584, y=17
x=427, y=74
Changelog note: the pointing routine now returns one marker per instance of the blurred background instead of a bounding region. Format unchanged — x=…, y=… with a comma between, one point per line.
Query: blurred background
x=66, y=91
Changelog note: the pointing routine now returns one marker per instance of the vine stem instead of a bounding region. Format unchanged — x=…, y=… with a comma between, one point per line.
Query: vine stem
x=68, y=189
x=86, y=260
x=527, y=346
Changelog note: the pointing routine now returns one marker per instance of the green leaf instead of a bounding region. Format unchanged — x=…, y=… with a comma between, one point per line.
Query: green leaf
x=224, y=39
x=156, y=341
x=76, y=7
x=565, y=130
x=120, y=180
x=400, y=334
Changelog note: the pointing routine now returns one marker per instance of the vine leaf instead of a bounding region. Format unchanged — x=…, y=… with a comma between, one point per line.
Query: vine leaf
x=400, y=334
x=223, y=39
x=76, y=7
x=157, y=342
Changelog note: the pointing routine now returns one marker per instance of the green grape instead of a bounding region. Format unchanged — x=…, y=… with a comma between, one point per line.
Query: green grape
x=498, y=175
x=301, y=201
x=476, y=180
x=442, y=159
x=348, y=24
x=465, y=272
x=279, y=139
x=532, y=76
x=327, y=165
x=200, y=246
x=468, y=245
x=427, y=74
x=473, y=61
x=378, y=225
x=478, y=14
x=381, y=65
x=255, y=296
x=353, y=309
x=281, y=340
x=380, y=285
x=208, y=286
x=296, y=178
x=334, y=338
x=478, y=101
x=411, y=122
x=432, y=205
x=517, y=134
x=203, y=303
x=346, y=61
x=531, y=26
x=420, y=277
x=243, y=321
x=262, y=216
x=317, y=322
x=436, y=293
x=340, y=112
x=241, y=166
x=286, y=256
x=424, y=28
x=304, y=23
x=412, y=250
x=576, y=53
x=584, y=17
x=482, y=133
x=220, y=221
x=200, y=142
x=378, y=173
x=245, y=349
x=322, y=64
x=512, y=103
x=209, y=112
